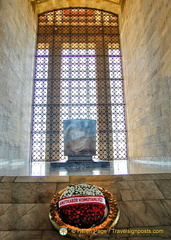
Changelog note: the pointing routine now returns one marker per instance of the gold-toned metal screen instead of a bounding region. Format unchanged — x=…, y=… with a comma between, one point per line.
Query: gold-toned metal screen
x=78, y=75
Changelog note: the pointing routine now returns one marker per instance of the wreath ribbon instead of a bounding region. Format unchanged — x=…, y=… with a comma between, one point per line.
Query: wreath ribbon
x=88, y=199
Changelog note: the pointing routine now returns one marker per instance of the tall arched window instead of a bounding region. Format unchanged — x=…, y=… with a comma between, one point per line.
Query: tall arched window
x=78, y=75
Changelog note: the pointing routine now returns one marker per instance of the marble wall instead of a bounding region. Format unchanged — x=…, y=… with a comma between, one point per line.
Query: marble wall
x=145, y=29
x=18, y=23
x=144, y=201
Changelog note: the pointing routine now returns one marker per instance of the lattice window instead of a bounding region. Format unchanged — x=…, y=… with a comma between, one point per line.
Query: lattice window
x=78, y=76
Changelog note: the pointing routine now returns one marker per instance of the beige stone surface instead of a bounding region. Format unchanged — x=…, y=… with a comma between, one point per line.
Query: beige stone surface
x=33, y=192
x=146, y=47
x=143, y=203
x=7, y=179
x=139, y=190
x=17, y=40
x=5, y=192
x=164, y=187
x=43, y=179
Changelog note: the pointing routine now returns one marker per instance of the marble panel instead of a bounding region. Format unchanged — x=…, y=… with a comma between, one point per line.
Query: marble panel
x=145, y=213
x=5, y=192
x=139, y=190
x=33, y=192
x=7, y=179
x=5, y=218
x=104, y=178
x=101, y=238
x=45, y=192
x=165, y=187
x=24, y=193
x=6, y=223
x=145, y=177
x=145, y=238
x=4, y=207
x=167, y=204
x=22, y=210
x=43, y=179
x=167, y=231
x=77, y=179
x=21, y=235
x=36, y=218
x=165, y=175
x=12, y=214
x=5, y=235
x=112, y=238
x=53, y=234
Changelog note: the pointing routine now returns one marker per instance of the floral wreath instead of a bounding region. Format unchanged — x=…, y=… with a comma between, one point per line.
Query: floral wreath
x=83, y=207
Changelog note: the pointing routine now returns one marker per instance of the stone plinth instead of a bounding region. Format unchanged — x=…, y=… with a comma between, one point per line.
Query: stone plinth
x=80, y=163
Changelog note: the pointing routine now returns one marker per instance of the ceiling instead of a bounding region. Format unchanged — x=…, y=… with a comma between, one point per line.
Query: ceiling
x=49, y=5
x=115, y=1
x=41, y=1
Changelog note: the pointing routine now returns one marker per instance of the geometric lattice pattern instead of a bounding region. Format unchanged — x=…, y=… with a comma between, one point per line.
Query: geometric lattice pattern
x=78, y=75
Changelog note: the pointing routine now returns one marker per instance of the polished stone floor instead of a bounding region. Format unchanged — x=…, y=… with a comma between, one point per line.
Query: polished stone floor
x=117, y=167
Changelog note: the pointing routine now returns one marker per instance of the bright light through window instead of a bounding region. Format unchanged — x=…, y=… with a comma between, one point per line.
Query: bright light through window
x=78, y=75
x=78, y=86
x=117, y=98
x=40, y=105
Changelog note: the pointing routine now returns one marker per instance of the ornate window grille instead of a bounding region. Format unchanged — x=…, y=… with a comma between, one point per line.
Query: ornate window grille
x=78, y=75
